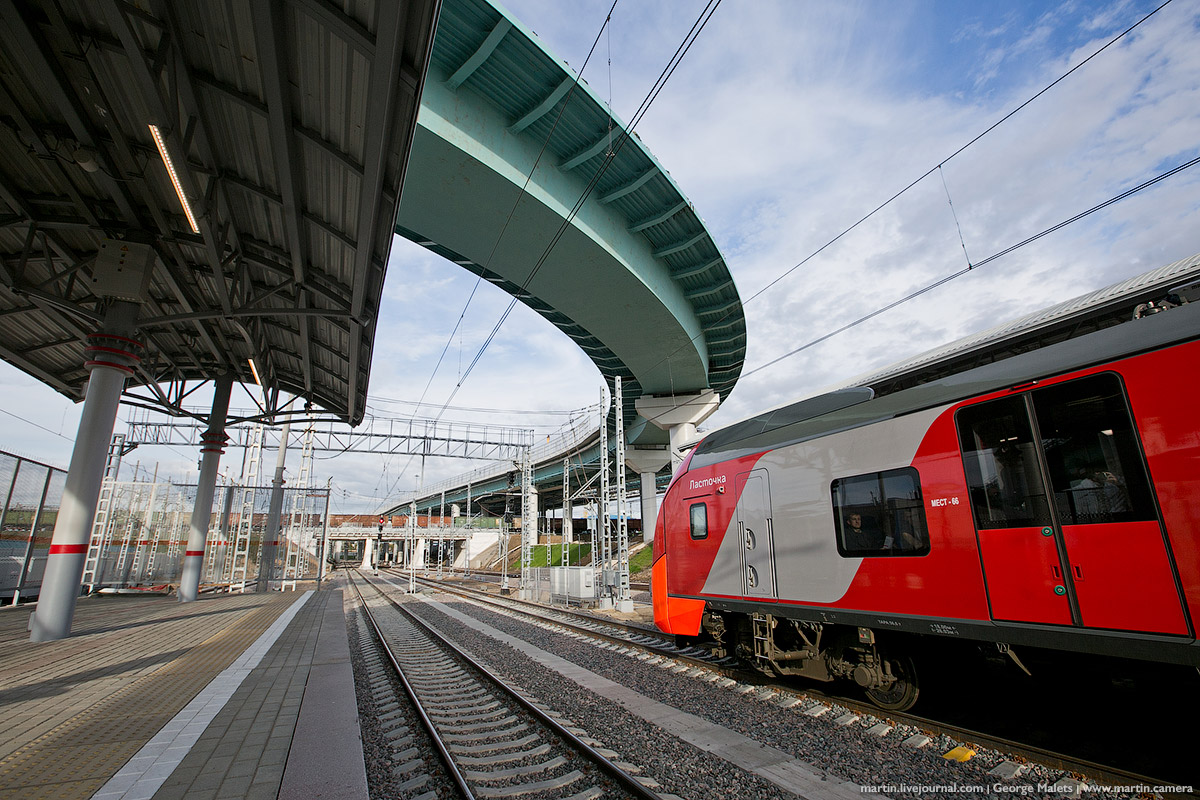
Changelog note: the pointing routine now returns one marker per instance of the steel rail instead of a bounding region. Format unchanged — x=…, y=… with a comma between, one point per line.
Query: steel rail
x=418, y=707
x=611, y=770
x=667, y=650
x=1100, y=773
x=1049, y=758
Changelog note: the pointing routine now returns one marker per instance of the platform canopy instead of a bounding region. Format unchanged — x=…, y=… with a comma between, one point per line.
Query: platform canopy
x=288, y=126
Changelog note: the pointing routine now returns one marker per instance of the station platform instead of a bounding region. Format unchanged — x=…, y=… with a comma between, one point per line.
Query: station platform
x=231, y=696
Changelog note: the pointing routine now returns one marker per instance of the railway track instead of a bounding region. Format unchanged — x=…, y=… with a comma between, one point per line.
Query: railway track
x=648, y=640
x=491, y=741
x=636, y=639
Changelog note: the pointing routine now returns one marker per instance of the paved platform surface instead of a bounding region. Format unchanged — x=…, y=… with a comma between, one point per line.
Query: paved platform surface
x=153, y=698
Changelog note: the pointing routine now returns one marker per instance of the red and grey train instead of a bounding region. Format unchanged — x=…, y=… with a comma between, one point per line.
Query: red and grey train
x=1051, y=499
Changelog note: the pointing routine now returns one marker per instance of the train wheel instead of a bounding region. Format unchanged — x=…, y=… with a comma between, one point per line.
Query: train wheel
x=902, y=694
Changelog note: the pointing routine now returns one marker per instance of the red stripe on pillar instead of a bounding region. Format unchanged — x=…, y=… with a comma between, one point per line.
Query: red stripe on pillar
x=67, y=549
x=190, y=553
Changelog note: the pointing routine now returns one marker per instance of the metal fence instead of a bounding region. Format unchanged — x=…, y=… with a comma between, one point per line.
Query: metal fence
x=32, y=494
x=141, y=543
x=141, y=529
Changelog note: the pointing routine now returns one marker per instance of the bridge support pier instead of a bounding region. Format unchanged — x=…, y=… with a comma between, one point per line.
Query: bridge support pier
x=212, y=446
x=111, y=355
x=678, y=415
x=647, y=463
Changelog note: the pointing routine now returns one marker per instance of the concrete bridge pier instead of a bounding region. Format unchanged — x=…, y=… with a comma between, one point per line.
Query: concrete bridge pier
x=678, y=415
x=647, y=463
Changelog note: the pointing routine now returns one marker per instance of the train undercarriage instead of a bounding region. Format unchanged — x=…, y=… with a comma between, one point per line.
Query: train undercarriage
x=817, y=651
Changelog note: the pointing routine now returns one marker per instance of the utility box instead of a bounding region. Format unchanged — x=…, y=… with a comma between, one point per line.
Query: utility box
x=573, y=585
x=122, y=270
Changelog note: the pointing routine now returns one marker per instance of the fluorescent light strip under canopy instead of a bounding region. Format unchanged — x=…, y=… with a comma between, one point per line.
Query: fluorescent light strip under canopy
x=166, y=157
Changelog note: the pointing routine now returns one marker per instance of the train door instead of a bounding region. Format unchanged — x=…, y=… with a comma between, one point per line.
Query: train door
x=755, y=534
x=1068, y=529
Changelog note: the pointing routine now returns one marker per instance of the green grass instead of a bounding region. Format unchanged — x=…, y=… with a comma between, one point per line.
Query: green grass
x=638, y=562
x=641, y=560
x=551, y=555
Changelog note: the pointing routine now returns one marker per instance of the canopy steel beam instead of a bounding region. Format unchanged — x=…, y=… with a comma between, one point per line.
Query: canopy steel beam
x=272, y=49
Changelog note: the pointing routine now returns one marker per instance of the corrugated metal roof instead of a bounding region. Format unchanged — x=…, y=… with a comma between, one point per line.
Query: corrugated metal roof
x=294, y=120
x=1102, y=308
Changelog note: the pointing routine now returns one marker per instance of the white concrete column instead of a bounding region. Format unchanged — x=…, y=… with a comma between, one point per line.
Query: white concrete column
x=647, y=463
x=212, y=445
x=678, y=415
x=111, y=356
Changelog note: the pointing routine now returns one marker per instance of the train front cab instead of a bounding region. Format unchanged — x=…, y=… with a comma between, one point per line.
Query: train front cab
x=677, y=615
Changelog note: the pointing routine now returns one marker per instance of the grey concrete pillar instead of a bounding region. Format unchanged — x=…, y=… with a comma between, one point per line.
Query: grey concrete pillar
x=646, y=463
x=678, y=415
x=270, y=543
x=111, y=355
x=212, y=444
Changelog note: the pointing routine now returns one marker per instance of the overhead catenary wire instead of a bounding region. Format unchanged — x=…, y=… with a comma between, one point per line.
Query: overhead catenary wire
x=668, y=71
x=911, y=185
x=916, y=181
x=971, y=268
x=504, y=228
x=672, y=64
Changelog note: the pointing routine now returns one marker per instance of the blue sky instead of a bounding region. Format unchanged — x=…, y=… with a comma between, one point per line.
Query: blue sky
x=786, y=122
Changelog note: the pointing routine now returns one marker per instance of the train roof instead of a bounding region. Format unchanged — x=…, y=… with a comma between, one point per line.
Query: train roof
x=1096, y=310
x=852, y=408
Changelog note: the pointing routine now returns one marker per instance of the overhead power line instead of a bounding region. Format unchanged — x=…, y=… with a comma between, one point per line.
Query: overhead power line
x=503, y=230
x=946, y=279
x=623, y=139
x=936, y=167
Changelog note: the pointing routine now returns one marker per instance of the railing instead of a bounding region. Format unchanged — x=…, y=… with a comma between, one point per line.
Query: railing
x=32, y=492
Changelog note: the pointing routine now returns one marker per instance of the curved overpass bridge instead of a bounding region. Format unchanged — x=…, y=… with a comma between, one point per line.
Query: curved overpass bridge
x=520, y=174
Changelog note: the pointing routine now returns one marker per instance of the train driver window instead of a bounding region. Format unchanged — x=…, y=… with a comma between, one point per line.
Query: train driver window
x=698, y=514
x=1092, y=451
x=880, y=514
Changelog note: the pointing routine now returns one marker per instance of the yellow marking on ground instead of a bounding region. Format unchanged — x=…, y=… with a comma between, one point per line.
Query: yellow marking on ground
x=960, y=754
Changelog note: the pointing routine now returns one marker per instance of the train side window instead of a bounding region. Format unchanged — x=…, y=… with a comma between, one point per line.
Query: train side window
x=1000, y=460
x=698, y=514
x=880, y=514
x=1092, y=450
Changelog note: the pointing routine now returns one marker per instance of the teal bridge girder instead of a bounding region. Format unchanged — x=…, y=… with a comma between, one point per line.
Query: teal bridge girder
x=487, y=495
x=634, y=277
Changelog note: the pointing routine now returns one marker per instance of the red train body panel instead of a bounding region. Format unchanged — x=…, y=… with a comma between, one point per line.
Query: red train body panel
x=1051, y=499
